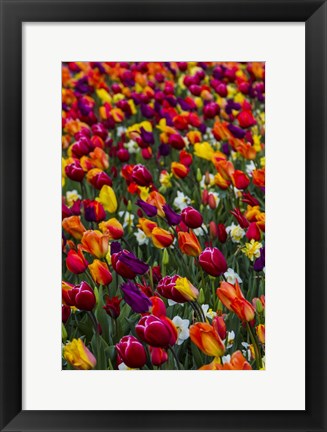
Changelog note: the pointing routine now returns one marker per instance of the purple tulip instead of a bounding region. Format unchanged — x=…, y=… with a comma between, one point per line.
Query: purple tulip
x=127, y=265
x=115, y=247
x=171, y=217
x=147, y=137
x=135, y=298
x=148, y=209
x=147, y=111
x=164, y=149
x=260, y=262
x=236, y=131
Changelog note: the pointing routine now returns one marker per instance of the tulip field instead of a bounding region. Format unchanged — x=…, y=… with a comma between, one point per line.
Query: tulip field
x=163, y=216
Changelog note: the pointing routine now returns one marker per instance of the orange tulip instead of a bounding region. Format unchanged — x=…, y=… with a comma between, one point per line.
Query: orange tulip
x=252, y=212
x=113, y=228
x=189, y=243
x=261, y=221
x=225, y=168
x=221, y=182
x=260, y=330
x=161, y=238
x=100, y=272
x=207, y=339
x=74, y=226
x=232, y=297
x=100, y=158
x=258, y=177
x=95, y=243
x=179, y=170
x=147, y=226
x=237, y=362
x=157, y=200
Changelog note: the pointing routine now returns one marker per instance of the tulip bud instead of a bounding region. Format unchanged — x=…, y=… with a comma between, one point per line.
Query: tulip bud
x=220, y=326
x=222, y=234
x=259, y=307
x=131, y=351
x=212, y=202
x=201, y=297
x=165, y=257
x=213, y=229
x=207, y=178
x=205, y=197
x=63, y=333
x=198, y=175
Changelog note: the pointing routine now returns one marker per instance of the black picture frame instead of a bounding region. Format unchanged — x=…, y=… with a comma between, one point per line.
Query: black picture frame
x=13, y=14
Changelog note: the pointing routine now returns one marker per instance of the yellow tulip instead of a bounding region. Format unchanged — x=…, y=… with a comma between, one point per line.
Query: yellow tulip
x=107, y=198
x=76, y=353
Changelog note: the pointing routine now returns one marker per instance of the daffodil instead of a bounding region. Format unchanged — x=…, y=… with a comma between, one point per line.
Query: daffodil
x=182, y=326
x=236, y=232
x=252, y=249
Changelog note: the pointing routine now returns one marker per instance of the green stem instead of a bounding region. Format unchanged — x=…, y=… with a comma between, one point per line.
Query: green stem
x=175, y=357
x=255, y=346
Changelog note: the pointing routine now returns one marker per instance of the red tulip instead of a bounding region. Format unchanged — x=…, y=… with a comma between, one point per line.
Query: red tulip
x=141, y=175
x=74, y=171
x=213, y=261
x=157, y=332
x=158, y=356
x=83, y=297
x=240, y=180
x=75, y=261
x=131, y=351
x=192, y=217
x=222, y=234
x=246, y=119
x=253, y=232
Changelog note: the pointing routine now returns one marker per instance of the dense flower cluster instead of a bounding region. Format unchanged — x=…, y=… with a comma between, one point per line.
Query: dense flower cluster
x=163, y=215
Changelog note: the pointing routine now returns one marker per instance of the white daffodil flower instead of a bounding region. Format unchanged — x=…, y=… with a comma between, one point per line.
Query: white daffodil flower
x=231, y=276
x=141, y=237
x=181, y=201
x=182, y=329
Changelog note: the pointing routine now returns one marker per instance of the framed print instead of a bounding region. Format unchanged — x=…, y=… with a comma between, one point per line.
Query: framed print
x=164, y=164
